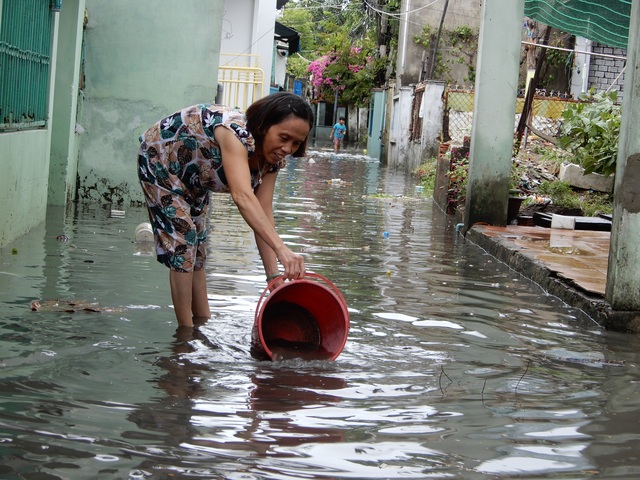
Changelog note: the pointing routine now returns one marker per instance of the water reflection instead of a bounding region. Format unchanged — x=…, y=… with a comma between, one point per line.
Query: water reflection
x=204, y=421
x=455, y=365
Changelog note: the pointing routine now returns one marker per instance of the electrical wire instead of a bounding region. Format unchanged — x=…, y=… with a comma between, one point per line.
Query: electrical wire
x=399, y=15
x=271, y=30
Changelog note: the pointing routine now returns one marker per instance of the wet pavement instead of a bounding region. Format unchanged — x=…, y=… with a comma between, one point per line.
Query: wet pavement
x=570, y=264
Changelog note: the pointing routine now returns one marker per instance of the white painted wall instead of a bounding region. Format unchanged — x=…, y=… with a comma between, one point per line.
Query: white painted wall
x=580, y=77
x=248, y=29
x=409, y=155
x=280, y=67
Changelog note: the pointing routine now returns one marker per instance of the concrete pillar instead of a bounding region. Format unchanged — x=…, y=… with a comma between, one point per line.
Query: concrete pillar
x=623, y=281
x=494, y=112
x=580, y=77
x=63, y=166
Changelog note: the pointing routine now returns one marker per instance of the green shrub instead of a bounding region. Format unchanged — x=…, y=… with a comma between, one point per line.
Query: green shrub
x=591, y=130
x=426, y=174
x=560, y=193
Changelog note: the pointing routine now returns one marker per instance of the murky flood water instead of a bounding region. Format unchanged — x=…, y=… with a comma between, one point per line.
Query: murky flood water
x=455, y=365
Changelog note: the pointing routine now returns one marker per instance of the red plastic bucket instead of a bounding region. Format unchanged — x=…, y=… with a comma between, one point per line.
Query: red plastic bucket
x=306, y=318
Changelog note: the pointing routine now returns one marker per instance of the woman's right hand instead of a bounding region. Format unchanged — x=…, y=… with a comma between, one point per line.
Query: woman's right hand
x=293, y=264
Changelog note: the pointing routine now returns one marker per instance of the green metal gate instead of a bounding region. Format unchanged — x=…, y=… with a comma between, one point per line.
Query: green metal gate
x=25, y=60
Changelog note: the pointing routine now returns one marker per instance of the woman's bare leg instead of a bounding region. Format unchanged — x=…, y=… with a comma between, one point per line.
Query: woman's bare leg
x=181, y=294
x=189, y=296
x=199, y=299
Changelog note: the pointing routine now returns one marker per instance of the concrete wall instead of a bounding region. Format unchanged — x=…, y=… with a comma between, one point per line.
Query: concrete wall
x=406, y=154
x=432, y=113
x=24, y=159
x=279, y=76
x=23, y=186
x=142, y=62
x=414, y=16
x=358, y=126
x=363, y=127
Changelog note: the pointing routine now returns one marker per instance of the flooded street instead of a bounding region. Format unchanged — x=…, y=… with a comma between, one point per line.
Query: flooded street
x=455, y=365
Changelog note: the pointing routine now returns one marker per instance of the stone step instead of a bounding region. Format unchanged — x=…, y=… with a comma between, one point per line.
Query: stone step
x=598, y=224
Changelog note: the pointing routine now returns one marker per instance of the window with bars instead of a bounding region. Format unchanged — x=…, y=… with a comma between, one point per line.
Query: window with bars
x=25, y=60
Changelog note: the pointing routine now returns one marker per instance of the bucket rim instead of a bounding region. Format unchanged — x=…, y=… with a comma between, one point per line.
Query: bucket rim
x=318, y=280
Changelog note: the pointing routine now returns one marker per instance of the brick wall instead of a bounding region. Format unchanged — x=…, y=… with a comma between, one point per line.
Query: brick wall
x=605, y=72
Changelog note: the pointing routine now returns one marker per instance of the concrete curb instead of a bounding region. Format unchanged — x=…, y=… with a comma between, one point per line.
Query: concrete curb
x=593, y=305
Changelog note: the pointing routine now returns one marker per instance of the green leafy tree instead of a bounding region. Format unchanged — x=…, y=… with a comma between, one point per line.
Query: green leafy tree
x=339, y=46
x=301, y=21
x=348, y=71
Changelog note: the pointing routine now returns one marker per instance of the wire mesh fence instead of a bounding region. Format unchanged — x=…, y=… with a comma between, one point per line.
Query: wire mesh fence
x=458, y=115
x=545, y=119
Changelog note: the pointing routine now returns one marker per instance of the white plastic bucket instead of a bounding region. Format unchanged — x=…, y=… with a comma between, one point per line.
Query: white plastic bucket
x=144, y=233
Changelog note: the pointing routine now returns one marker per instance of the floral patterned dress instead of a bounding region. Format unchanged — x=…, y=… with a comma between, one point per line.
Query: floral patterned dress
x=179, y=163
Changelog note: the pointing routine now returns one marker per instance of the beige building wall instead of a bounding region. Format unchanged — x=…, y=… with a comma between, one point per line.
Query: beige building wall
x=417, y=13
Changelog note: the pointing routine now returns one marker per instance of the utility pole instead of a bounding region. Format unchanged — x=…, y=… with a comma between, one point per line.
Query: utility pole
x=434, y=51
x=494, y=110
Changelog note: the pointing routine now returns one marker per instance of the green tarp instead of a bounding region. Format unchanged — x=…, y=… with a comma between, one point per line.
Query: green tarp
x=602, y=21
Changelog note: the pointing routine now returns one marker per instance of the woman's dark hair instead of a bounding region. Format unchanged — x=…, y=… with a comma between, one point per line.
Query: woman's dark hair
x=273, y=109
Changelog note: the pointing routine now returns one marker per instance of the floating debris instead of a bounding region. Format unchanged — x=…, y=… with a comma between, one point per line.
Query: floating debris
x=71, y=306
x=144, y=233
x=337, y=181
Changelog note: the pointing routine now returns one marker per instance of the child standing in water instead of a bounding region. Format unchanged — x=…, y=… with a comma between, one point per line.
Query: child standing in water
x=338, y=132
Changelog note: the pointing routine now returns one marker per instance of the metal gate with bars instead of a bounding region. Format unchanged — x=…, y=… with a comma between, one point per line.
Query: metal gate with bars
x=242, y=82
x=25, y=60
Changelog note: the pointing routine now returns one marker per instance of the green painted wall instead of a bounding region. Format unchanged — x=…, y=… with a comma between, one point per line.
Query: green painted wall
x=144, y=60
x=24, y=159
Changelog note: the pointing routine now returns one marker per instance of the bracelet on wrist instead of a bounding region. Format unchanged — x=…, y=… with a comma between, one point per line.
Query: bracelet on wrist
x=271, y=277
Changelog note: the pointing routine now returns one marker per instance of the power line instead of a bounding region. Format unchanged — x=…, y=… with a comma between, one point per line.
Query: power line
x=398, y=15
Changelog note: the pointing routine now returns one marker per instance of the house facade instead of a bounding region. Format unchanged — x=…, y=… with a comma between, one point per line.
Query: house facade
x=113, y=69
x=27, y=122
x=601, y=67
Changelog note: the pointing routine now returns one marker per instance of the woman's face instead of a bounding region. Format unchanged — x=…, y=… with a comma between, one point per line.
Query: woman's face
x=284, y=138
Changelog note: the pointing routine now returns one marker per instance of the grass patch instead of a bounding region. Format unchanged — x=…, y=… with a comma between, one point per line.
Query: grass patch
x=591, y=203
x=426, y=174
